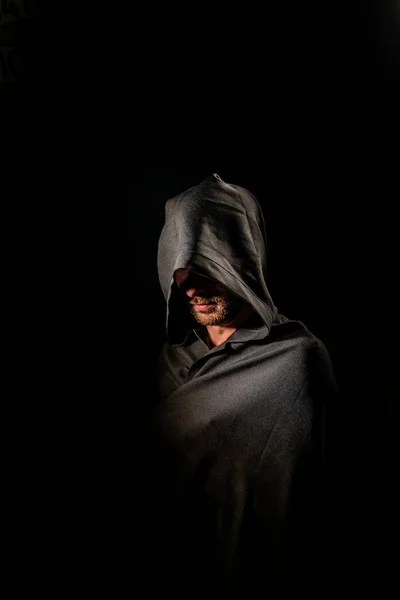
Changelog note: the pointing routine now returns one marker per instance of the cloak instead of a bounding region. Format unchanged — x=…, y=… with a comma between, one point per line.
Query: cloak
x=242, y=429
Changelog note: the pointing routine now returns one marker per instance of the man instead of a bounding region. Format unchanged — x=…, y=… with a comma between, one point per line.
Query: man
x=242, y=419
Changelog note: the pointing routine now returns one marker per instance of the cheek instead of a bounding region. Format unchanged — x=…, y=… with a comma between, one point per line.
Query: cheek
x=220, y=290
x=228, y=299
x=233, y=302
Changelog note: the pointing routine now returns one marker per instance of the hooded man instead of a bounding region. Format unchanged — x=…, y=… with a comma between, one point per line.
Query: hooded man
x=242, y=416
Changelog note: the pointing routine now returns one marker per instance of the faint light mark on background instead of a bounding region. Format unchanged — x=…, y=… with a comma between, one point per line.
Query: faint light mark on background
x=15, y=20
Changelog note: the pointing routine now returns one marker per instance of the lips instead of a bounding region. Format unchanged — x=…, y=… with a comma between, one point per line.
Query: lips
x=201, y=303
x=198, y=306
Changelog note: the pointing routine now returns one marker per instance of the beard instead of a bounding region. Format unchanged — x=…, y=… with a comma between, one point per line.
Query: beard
x=221, y=310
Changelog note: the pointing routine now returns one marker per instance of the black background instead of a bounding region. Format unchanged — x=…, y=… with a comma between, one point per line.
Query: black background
x=114, y=109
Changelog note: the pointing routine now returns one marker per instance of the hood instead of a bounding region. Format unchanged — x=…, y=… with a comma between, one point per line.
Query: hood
x=215, y=229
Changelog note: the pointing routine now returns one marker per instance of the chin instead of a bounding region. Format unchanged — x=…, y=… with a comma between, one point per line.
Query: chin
x=204, y=321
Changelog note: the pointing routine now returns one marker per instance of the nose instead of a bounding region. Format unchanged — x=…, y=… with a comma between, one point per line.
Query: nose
x=197, y=286
x=193, y=284
x=190, y=283
x=191, y=291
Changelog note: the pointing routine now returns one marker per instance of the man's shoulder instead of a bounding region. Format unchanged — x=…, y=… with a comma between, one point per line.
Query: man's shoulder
x=294, y=332
x=304, y=346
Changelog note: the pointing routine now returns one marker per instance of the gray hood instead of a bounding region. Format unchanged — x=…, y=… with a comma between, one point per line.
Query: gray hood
x=215, y=229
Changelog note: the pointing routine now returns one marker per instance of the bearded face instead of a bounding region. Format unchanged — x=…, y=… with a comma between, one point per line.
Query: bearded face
x=209, y=301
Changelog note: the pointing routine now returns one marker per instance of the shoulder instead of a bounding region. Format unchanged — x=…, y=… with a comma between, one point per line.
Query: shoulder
x=294, y=336
x=305, y=348
x=309, y=352
x=293, y=329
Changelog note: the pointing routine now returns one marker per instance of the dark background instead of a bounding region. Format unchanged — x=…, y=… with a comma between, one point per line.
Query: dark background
x=108, y=111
